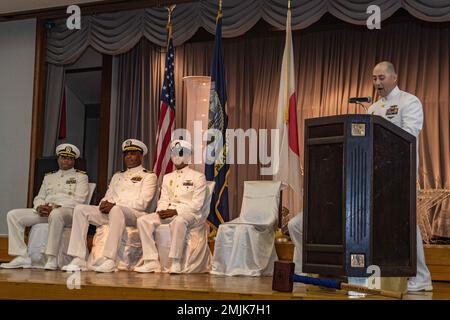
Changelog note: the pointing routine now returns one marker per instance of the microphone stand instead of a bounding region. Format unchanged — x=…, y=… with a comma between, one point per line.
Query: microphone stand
x=360, y=104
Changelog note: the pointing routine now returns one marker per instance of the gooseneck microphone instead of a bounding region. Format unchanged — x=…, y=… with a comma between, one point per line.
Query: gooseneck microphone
x=360, y=99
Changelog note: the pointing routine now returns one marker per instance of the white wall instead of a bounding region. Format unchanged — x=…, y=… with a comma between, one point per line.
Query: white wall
x=17, y=50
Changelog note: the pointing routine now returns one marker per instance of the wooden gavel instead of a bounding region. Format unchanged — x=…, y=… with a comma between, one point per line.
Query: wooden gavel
x=284, y=278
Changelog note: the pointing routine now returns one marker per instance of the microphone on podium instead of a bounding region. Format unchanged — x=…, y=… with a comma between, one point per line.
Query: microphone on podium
x=360, y=100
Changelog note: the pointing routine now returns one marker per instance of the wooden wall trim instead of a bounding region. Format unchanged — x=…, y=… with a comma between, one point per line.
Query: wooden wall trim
x=37, y=118
x=4, y=257
x=89, y=8
x=103, y=141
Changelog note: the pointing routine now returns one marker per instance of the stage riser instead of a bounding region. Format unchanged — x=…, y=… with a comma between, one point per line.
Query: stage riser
x=437, y=257
x=39, y=284
x=36, y=291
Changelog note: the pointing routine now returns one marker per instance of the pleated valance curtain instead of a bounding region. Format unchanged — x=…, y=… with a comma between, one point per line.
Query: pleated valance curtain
x=116, y=33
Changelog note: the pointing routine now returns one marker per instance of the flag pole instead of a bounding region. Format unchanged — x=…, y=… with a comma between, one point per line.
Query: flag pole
x=219, y=13
x=286, y=119
x=169, y=22
x=162, y=163
x=286, y=110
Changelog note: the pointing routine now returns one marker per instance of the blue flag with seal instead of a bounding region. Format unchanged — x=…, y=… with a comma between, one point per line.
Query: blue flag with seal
x=217, y=168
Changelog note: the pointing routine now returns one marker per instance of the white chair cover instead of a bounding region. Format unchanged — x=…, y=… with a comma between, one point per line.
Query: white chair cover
x=130, y=248
x=246, y=245
x=37, y=241
x=197, y=256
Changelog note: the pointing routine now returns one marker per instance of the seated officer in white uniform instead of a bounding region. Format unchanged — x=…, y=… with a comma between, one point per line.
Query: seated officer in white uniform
x=60, y=192
x=404, y=110
x=127, y=198
x=182, y=195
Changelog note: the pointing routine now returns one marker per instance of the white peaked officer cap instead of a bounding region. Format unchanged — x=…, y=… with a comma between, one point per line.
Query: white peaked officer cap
x=180, y=144
x=67, y=150
x=134, y=145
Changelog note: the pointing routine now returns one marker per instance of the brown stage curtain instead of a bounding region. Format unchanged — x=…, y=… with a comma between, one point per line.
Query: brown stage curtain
x=135, y=92
x=333, y=61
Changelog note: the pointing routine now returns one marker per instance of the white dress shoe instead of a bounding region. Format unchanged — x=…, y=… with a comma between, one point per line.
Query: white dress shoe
x=52, y=263
x=108, y=266
x=175, y=267
x=415, y=286
x=98, y=262
x=37, y=266
x=76, y=264
x=38, y=263
x=17, y=263
x=149, y=266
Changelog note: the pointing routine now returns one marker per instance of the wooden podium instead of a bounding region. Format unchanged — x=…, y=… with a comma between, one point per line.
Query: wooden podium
x=359, y=197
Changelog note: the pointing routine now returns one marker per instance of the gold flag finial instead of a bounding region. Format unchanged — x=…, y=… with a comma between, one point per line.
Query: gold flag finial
x=170, y=9
x=169, y=22
x=289, y=4
x=219, y=14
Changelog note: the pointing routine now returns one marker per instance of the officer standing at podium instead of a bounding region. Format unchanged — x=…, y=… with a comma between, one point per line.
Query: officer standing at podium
x=60, y=192
x=404, y=110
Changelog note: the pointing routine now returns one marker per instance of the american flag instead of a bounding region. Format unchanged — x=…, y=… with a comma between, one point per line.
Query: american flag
x=163, y=164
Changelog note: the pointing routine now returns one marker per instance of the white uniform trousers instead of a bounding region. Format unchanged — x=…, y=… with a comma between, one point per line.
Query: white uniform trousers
x=118, y=218
x=178, y=225
x=423, y=274
x=18, y=219
x=295, y=227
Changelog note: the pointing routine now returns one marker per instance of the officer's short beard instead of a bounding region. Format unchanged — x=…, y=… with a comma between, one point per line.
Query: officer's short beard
x=178, y=160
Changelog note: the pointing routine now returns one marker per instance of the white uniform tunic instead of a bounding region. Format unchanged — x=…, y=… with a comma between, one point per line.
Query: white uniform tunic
x=63, y=188
x=132, y=192
x=405, y=110
x=183, y=190
x=402, y=109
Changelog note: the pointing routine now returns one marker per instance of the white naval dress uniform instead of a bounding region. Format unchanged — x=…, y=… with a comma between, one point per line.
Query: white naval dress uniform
x=295, y=227
x=65, y=188
x=183, y=190
x=132, y=192
x=405, y=110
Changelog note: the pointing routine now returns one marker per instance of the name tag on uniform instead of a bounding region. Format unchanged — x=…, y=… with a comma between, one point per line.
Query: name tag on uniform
x=188, y=183
x=136, y=179
x=393, y=110
x=71, y=181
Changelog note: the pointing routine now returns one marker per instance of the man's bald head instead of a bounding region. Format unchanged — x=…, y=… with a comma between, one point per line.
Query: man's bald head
x=384, y=78
x=387, y=66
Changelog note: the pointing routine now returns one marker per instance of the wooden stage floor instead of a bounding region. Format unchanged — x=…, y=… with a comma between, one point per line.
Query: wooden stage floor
x=40, y=284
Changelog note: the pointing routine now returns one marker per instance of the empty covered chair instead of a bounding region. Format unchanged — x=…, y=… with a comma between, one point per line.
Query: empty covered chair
x=246, y=245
